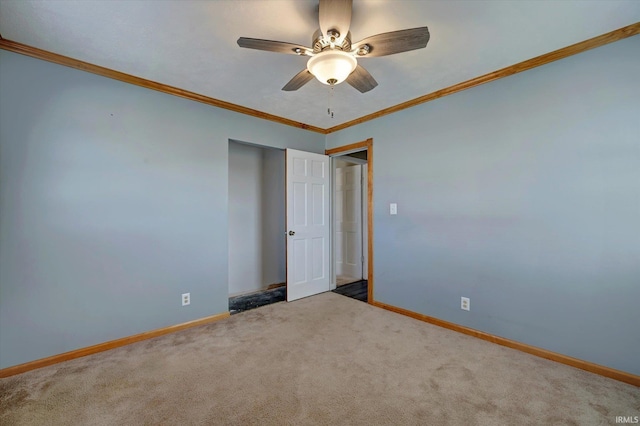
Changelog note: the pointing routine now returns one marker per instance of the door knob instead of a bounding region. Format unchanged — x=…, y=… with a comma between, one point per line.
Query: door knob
x=292, y=233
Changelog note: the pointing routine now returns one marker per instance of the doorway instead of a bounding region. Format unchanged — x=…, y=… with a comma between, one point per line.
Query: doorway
x=256, y=237
x=349, y=218
x=360, y=153
x=359, y=159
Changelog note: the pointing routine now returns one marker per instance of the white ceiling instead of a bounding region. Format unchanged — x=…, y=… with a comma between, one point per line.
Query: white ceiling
x=192, y=44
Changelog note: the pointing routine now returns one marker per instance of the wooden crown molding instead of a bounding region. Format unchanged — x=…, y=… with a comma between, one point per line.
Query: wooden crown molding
x=574, y=49
x=592, y=43
x=44, y=55
x=601, y=370
x=101, y=347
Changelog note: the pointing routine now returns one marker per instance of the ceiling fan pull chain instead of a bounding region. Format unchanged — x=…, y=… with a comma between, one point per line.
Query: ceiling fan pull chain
x=329, y=108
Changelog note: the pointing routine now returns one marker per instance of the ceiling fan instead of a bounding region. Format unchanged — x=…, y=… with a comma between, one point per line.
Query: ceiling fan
x=333, y=58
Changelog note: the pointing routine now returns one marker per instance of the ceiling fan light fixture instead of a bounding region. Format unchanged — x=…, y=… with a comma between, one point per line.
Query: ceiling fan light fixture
x=332, y=66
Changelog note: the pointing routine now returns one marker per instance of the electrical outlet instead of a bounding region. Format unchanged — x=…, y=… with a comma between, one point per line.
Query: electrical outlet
x=465, y=303
x=186, y=299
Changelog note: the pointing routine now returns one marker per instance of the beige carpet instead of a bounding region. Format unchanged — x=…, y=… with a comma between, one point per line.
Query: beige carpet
x=326, y=359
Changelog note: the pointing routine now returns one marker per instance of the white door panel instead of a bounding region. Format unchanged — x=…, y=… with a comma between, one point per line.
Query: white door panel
x=307, y=224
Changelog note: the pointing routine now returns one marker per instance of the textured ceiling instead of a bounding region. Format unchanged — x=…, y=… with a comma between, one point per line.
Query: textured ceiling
x=192, y=44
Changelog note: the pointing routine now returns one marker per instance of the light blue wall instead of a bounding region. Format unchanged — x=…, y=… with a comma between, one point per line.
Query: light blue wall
x=113, y=202
x=524, y=195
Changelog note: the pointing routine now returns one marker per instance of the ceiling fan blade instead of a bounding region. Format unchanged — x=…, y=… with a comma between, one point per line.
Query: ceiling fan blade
x=300, y=79
x=393, y=42
x=335, y=15
x=361, y=79
x=274, y=46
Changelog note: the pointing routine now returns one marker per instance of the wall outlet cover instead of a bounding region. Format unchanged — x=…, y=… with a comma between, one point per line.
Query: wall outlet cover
x=465, y=303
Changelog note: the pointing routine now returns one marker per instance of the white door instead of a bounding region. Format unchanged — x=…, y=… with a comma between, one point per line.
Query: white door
x=348, y=222
x=307, y=224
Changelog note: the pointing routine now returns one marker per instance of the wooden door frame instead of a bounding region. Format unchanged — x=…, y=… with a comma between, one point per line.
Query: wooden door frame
x=362, y=146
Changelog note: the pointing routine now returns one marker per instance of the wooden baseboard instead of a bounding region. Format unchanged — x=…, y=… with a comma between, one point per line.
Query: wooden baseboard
x=277, y=285
x=101, y=347
x=543, y=353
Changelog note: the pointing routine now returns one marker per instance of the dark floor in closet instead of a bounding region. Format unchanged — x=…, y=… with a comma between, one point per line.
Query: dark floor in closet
x=356, y=290
x=255, y=300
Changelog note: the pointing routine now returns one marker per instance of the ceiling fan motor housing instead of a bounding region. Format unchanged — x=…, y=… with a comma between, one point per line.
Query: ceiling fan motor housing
x=321, y=42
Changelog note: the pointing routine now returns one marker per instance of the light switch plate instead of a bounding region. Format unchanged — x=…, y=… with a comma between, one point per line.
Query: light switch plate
x=393, y=208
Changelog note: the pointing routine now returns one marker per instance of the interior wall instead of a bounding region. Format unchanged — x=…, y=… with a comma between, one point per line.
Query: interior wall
x=524, y=195
x=273, y=206
x=256, y=218
x=340, y=163
x=245, y=222
x=113, y=202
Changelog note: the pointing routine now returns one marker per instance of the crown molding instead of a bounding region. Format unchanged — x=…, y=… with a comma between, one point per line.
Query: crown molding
x=44, y=55
x=574, y=49
x=556, y=55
